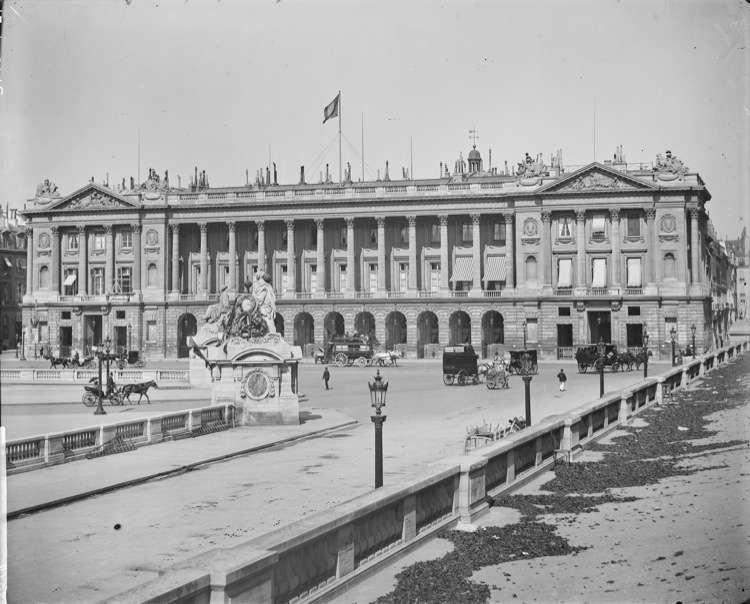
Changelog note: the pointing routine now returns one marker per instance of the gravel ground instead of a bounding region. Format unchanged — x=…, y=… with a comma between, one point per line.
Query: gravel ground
x=656, y=512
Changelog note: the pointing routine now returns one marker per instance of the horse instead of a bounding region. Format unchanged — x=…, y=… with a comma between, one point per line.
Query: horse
x=640, y=358
x=141, y=389
x=627, y=359
x=387, y=358
x=55, y=361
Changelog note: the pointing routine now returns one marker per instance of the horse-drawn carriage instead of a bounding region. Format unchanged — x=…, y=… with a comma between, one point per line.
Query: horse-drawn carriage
x=74, y=362
x=515, y=365
x=345, y=351
x=130, y=357
x=588, y=356
x=460, y=365
x=495, y=377
x=110, y=393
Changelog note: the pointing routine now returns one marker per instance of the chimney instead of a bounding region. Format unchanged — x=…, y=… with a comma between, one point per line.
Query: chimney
x=506, y=167
x=268, y=175
x=441, y=169
x=387, y=177
x=275, y=181
x=490, y=162
x=247, y=177
x=302, y=175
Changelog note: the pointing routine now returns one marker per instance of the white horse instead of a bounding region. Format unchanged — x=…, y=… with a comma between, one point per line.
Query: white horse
x=387, y=358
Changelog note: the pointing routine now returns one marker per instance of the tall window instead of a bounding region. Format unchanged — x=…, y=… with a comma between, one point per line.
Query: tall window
x=564, y=231
x=434, y=276
x=284, y=277
x=70, y=283
x=634, y=272
x=153, y=275
x=151, y=331
x=467, y=233
x=599, y=276
x=634, y=225
x=44, y=278
x=313, y=277
x=127, y=240
x=100, y=242
x=598, y=227
x=373, y=276
x=532, y=330
x=72, y=241
x=20, y=290
x=97, y=281
x=435, y=234
x=373, y=236
x=342, y=277
x=565, y=273
x=124, y=279
x=403, y=276
x=404, y=234
x=498, y=232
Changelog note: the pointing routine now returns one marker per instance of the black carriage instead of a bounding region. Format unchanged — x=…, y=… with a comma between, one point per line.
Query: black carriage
x=460, y=365
x=515, y=365
x=588, y=356
x=111, y=393
x=130, y=357
x=345, y=351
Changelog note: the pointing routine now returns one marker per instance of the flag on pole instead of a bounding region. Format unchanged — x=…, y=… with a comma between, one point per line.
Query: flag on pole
x=332, y=110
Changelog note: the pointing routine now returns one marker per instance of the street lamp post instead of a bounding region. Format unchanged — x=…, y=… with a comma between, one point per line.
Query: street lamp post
x=526, y=371
x=23, y=343
x=130, y=337
x=378, y=390
x=692, y=330
x=601, y=348
x=524, y=334
x=645, y=352
x=673, y=333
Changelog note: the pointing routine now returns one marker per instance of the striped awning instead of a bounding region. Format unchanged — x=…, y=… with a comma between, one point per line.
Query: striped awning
x=494, y=270
x=70, y=279
x=463, y=269
x=8, y=263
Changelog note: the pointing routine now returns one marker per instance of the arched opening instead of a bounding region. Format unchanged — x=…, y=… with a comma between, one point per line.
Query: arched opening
x=531, y=269
x=460, y=328
x=493, y=330
x=152, y=276
x=428, y=335
x=44, y=278
x=670, y=271
x=304, y=329
x=187, y=326
x=332, y=326
x=395, y=330
x=278, y=322
x=364, y=323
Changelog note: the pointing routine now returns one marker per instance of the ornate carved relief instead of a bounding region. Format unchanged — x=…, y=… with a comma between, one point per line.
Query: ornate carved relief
x=530, y=227
x=594, y=180
x=97, y=199
x=668, y=224
x=43, y=241
x=152, y=237
x=443, y=220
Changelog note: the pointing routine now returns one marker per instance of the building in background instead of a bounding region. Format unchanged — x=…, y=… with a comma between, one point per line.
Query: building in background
x=539, y=255
x=13, y=273
x=740, y=249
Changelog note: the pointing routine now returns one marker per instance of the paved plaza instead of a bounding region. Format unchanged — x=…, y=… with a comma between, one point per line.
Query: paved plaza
x=223, y=504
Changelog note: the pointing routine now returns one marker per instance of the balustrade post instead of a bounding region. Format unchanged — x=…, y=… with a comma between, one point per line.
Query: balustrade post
x=622, y=415
x=345, y=558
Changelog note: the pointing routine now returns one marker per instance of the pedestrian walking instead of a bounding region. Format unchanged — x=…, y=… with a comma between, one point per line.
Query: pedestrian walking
x=562, y=378
x=326, y=376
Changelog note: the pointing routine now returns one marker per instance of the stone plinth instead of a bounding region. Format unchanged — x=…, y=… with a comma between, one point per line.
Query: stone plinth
x=257, y=374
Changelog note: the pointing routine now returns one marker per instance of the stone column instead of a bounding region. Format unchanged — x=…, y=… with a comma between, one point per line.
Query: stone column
x=510, y=254
x=381, y=257
x=581, y=275
x=652, y=247
x=614, y=215
x=109, y=268
x=232, y=281
x=261, y=245
x=695, y=248
x=175, y=258
x=444, y=274
x=476, y=286
x=55, y=259
x=412, y=255
x=83, y=254
x=546, y=249
x=137, y=285
x=350, y=268
x=203, y=283
x=320, y=259
x=29, y=261
x=291, y=273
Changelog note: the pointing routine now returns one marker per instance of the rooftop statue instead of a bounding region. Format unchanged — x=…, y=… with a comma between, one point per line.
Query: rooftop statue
x=530, y=168
x=669, y=164
x=46, y=190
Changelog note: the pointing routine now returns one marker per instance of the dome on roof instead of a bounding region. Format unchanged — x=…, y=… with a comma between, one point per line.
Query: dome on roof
x=474, y=154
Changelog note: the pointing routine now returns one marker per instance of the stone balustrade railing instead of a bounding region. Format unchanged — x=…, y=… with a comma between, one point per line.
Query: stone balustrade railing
x=317, y=556
x=36, y=452
x=124, y=376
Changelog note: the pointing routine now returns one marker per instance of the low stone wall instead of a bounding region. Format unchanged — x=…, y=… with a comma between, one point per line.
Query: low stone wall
x=36, y=452
x=314, y=558
x=125, y=376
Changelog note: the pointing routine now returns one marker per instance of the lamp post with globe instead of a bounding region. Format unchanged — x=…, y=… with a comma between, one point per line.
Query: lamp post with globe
x=378, y=390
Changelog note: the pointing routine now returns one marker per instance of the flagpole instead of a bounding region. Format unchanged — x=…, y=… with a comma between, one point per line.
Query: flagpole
x=340, y=179
x=363, y=146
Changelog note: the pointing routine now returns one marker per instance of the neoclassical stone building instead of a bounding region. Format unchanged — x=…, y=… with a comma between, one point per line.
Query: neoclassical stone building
x=574, y=255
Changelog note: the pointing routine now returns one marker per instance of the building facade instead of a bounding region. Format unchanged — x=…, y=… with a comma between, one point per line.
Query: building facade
x=542, y=257
x=13, y=282
x=740, y=250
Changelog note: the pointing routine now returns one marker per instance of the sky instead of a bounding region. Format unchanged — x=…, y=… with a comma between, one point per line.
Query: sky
x=228, y=86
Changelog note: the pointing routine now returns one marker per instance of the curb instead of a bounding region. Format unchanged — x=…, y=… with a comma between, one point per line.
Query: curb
x=179, y=470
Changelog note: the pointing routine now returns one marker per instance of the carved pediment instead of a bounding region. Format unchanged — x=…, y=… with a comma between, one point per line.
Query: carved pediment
x=596, y=177
x=93, y=197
